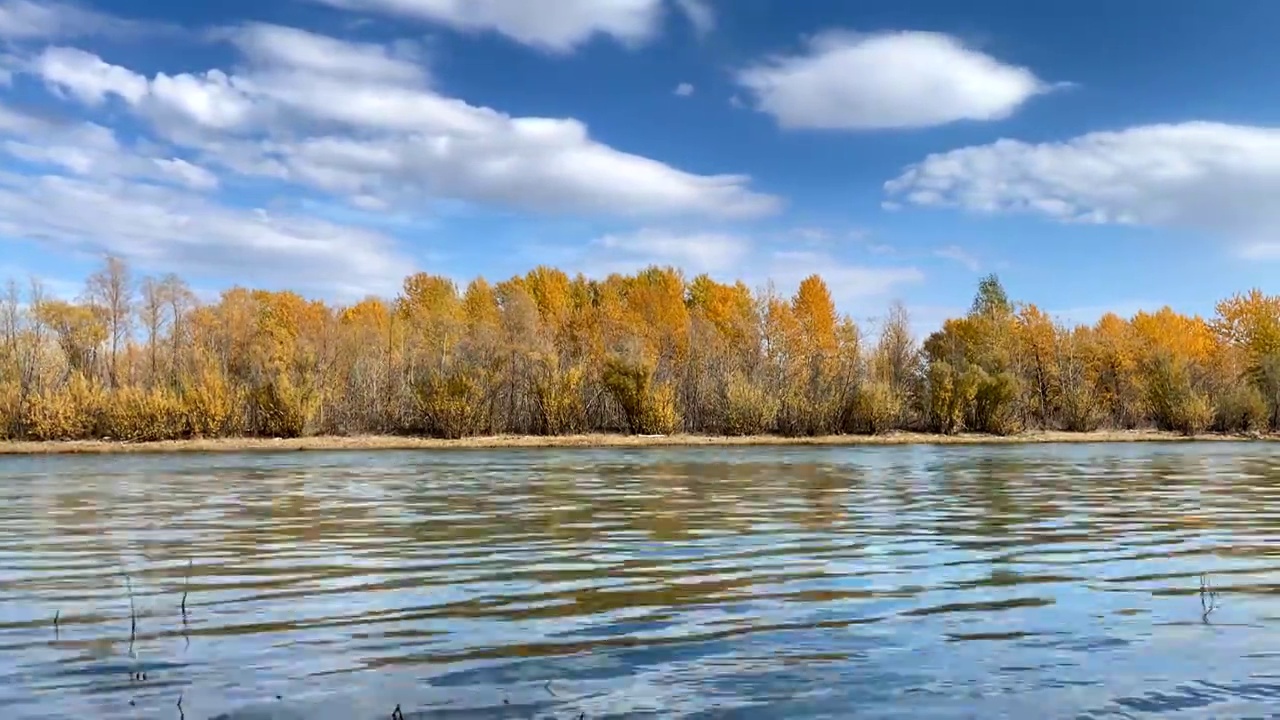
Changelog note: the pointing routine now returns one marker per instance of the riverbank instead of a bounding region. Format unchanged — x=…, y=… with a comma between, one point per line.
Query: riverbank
x=382, y=442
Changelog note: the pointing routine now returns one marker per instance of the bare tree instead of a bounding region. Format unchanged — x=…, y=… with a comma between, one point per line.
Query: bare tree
x=31, y=356
x=10, y=320
x=181, y=301
x=111, y=289
x=896, y=353
x=152, y=308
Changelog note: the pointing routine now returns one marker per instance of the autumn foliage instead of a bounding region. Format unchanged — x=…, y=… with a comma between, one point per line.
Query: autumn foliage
x=650, y=353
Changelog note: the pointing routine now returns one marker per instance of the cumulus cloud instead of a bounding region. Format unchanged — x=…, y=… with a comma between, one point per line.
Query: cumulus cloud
x=1209, y=177
x=554, y=25
x=684, y=89
x=390, y=138
x=906, y=79
x=88, y=77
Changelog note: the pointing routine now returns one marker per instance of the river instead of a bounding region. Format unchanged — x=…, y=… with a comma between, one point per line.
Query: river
x=1037, y=581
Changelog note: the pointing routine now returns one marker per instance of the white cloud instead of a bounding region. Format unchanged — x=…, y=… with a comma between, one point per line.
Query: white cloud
x=732, y=257
x=211, y=100
x=1090, y=314
x=351, y=120
x=291, y=49
x=1260, y=250
x=167, y=229
x=957, y=254
x=87, y=77
x=887, y=80
x=45, y=20
x=811, y=235
x=51, y=287
x=554, y=25
x=94, y=193
x=1208, y=177
x=193, y=176
x=699, y=13
x=850, y=284
x=694, y=253
x=91, y=150
x=684, y=89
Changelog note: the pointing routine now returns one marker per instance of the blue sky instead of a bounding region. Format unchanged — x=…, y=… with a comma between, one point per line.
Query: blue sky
x=1097, y=155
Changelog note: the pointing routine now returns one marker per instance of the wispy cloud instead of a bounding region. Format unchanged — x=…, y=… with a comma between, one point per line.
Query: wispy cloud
x=957, y=254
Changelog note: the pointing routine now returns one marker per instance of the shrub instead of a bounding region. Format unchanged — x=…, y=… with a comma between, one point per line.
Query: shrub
x=1241, y=409
x=558, y=397
x=10, y=411
x=876, y=408
x=278, y=408
x=1175, y=404
x=1081, y=411
x=1194, y=414
x=70, y=412
x=137, y=415
x=211, y=407
x=451, y=406
x=749, y=409
x=948, y=395
x=995, y=402
x=649, y=407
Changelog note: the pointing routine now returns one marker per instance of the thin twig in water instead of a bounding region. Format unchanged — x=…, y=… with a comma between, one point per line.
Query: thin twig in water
x=548, y=687
x=186, y=581
x=1208, y=598
x=133, y=613
x=56, y=630
x=181, y=715
x=397, y=714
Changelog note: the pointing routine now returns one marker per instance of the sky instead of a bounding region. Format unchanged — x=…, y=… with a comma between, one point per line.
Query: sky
x=1097, y=155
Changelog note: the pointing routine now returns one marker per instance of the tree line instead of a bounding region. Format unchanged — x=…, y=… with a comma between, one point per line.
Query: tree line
x=651, y=353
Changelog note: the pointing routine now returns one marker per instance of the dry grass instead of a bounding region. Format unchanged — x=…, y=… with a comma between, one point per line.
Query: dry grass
x=590, y=441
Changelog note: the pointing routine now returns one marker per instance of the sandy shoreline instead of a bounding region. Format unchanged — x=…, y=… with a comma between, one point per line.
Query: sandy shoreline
x=377, y=442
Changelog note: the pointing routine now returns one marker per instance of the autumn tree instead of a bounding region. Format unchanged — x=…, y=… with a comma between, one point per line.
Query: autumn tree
x=110, y=291
x=647, y=352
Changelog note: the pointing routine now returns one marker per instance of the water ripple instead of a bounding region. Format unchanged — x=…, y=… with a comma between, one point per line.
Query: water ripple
x=920, y=582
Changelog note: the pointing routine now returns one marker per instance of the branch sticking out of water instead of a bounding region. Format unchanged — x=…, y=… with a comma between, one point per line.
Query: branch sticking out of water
x=186, y=582
x=56, y=630
x=133, y=613
x=181, y=715
x=397, y=714
x=1208, y=598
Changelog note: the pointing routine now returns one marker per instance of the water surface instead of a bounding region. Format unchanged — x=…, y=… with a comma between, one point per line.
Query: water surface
x=878, y=582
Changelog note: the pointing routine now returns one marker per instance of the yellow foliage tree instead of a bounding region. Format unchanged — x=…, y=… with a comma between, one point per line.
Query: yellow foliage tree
x=649, y=352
